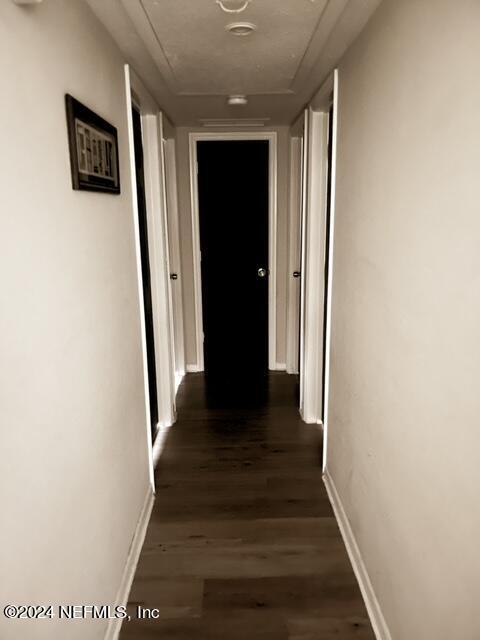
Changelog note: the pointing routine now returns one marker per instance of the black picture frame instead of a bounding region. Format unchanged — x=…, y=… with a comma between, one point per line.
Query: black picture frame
x=93, y=145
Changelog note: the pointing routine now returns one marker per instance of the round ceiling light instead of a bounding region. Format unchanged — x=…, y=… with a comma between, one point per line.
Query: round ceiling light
x=237, y=100
x=241, y=28
x=233, y=6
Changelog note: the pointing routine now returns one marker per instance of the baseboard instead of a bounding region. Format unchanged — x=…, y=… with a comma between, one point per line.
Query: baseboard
x=373, y=607
x=307, y=418
x=114, y=625
x=178, y=380
x=159, y=441
x=280, y=366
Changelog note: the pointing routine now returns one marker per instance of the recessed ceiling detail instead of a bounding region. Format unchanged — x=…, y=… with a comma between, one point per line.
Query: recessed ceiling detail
x=201, y=58
x=190, y=64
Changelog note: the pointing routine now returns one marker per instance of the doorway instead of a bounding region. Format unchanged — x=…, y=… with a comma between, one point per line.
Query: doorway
x=145, y=265
x=233, y=200
x=239, y=198
x=317, y=234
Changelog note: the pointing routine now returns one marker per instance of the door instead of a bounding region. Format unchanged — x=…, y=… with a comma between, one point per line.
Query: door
x=233, y=209
x=145, y=261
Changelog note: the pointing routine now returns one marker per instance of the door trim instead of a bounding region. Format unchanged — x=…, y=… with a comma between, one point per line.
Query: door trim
x=156, y=223
x=294, y=255
x=331, y=239
x=314, y=261
x=271, y=136
x=317, y=302
x=303, y=218
x=175, y=261
x=165, y=315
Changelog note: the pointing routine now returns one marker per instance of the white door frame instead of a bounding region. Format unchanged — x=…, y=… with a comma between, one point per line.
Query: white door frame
x=314, y=270
x=165, y=314
x=303, y=226
x=294, y=255
x=314, y=261
x=175, y=257
x=151, y=120
x=327, y=97
x=315, y=298
x=271, y=136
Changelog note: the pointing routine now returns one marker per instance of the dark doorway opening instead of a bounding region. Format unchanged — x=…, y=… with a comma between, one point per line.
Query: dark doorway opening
x=233, y=188
x=145, y=262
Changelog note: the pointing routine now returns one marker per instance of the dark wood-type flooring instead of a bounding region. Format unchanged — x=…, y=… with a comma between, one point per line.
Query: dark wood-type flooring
x=243, y=543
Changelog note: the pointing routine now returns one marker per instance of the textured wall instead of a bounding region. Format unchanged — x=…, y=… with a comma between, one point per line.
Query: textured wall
x=404, y=412
x=74, y=470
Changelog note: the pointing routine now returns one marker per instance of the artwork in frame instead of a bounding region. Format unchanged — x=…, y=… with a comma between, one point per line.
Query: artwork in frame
x=93, y=144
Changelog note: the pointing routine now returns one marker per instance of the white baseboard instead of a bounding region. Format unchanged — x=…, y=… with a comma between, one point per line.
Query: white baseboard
x=375, y=614
x=114, y=625
x=280, y=366
x=309, y=419
x=178, y=380
x=159, y=442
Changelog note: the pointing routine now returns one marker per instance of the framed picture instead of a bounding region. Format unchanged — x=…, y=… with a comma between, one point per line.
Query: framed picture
x=93, y=144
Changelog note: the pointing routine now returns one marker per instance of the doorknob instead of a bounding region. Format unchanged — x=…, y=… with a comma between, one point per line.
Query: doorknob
x=173, y=276
x=262, y=272
x=296, y=274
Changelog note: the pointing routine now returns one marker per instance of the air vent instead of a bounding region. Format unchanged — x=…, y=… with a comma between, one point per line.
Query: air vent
x=234, y=123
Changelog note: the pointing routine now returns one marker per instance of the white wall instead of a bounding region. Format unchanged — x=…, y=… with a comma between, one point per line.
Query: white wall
x=404, y=436
x=74, y=473
x=283, y=141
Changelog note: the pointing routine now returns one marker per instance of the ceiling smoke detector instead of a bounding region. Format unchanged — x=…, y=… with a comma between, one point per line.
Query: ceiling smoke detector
x=233, y=6
x=237, y=100
x=241, y=28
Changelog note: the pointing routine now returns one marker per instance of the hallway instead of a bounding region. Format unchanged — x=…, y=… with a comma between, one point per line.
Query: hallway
x=142, y=269
x=243, y=543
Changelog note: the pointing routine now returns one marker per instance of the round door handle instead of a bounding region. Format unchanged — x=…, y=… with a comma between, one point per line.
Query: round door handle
x=173, y=276
x=262, y=273
x=296, y=274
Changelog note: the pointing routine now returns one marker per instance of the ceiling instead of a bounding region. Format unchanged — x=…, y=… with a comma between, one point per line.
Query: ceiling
x=191, y=64
x=202, y=58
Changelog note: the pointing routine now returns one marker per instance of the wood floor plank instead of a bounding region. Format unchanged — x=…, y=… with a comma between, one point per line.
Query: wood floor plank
x=243, y=626
x=319, y=628
x=260, y=530
x=242, y=561
x=331, y=594
x=243, y=543
x=173, y=597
